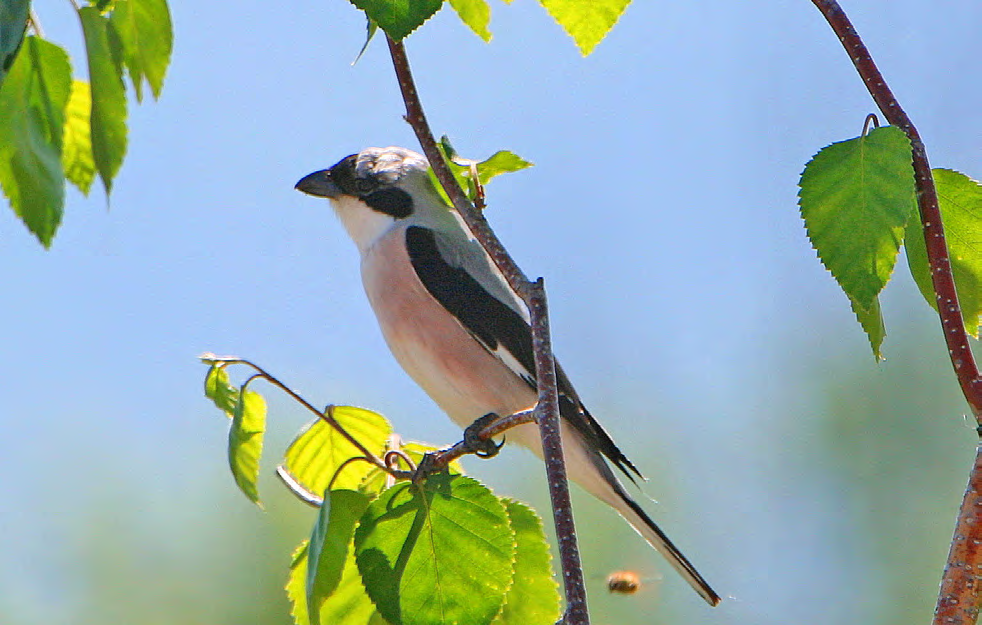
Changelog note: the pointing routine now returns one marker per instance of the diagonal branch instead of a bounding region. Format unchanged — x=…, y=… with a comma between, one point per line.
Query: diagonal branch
x=547, y=409
x=958, y=602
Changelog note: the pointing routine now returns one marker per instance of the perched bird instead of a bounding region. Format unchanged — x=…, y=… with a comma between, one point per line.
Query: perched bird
x=458, y=329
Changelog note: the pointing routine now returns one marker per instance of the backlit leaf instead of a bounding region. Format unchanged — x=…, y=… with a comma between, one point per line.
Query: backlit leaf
x=245, y=441
x=319, y=450
x=855, y=198
x=871, y=319
x=476, y=14
x=960, y=199
x=76, y=157
x=329, y=548
x=146, y=38
x=533, y=598
x=586, y=21
x=32, y=126
x=108, y=96
x=437, y=553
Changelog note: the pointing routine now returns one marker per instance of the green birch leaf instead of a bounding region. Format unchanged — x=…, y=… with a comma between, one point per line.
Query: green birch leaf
x=416, y=548
x=13, y=23
x=219, y=390
x=855, y=199
x=329, y=548
x=871, y=319
x=76, y=156
x=960, y=199
x=146, y=39
x=501, y=162
x=586, y=21
x=398, y=18
x=533, y=598
x=245, y=441
x=108, y=96
x=32, y=110
x=370, y=29
x=476, y=14
x=319, y=450
x=348, y=604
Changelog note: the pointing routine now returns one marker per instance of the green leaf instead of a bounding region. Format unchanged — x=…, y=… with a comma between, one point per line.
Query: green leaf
x=219, y=390
x=586, y=21
x=108, y=97
x=146, y=40
x=370, y=29
x=855, y=198
x=476, y=14
x=960, y=199
x=32, y=110
x=501, y=162
x=437, y=553
x=348, y=604
x=533, y=598
x=76, y=156
x=245, y=441
x=398, y=18
x=319, y=450
x=330, y=545
x=871, y=319
x=13, y=24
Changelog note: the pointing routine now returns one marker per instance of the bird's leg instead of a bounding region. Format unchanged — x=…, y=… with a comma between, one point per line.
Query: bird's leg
x=477, y=441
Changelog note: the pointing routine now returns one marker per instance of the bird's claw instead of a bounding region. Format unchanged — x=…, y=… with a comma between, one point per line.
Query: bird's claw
x=482, y=448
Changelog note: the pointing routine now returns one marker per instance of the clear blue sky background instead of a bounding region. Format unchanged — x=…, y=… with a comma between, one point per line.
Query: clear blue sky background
x=661, y=211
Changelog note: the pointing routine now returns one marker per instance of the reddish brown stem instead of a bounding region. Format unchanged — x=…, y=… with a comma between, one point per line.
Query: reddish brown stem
x=958, y=601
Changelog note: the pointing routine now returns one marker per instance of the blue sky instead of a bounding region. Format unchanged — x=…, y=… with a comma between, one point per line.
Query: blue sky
x=661, y=212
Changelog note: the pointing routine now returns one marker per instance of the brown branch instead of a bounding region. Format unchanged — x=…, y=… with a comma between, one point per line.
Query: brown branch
x=927, y=201
x=958, y=602
x=547, y=411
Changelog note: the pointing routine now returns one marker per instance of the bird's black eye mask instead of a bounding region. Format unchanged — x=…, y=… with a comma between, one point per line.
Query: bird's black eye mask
x=389, y=200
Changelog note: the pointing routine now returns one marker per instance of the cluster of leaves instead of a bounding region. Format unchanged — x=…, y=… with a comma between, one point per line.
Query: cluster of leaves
x=473, y=176
x=447, y=550
x=858, y=201
x=586, y=21
x=55, y=127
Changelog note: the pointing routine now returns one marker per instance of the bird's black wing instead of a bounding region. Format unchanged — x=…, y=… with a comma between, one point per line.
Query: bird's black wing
x=502, y=331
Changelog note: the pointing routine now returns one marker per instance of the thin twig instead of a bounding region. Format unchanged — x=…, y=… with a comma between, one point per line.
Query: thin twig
x=552, y=443
x=547, y=409
x=958, y=602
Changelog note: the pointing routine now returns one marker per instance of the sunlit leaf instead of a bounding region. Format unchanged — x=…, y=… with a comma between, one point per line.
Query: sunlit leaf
x=855, y=198
x=476, y=14
x=319, y=450
x=960, y=199
x=417, y=549
x=348, y=604
x=76, y=157
x=146, y=38
x=32, y=126
x=586, y=21
x=370, y=29
x=330, y=546
x=501, y=162
x=533, y=598
x=398, y=18
x=13, y=23
x=245, y=441
x=219, y=390
x=871, y=319
x=108, y=96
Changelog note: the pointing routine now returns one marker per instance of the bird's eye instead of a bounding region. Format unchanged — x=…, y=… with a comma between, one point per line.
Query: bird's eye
x=364, y=185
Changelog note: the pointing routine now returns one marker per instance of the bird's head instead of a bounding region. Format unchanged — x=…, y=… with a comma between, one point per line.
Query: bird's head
x=375, y=189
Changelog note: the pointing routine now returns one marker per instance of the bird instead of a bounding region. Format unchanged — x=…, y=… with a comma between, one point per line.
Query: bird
x=455, y=326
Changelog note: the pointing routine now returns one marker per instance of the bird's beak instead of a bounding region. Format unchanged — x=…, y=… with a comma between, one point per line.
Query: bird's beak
x=319, y=184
